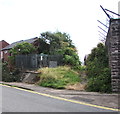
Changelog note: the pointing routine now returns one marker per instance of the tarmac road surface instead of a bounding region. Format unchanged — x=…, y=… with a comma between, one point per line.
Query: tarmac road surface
x=16, y=100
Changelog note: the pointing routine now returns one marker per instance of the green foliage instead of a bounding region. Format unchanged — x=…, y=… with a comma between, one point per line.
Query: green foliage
x=60, y=43
x=21, y=48
x=8, y=76
x=11, y=60
x=98, y=71
x=100, y=83
x=58, y=77
x=57, y=40
x=71, y=57
x=43, y=47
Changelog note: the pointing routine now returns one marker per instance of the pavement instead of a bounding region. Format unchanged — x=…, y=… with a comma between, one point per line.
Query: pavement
x=95, y=98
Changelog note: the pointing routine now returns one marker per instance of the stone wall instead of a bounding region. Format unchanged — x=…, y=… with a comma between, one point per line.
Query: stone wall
x=113, y=46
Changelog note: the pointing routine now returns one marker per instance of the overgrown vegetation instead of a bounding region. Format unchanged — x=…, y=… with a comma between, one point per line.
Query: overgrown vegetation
x=98, y=71
x=57, y=43
x=58, y=77
x=9, y=72
x=8, y=76
x=61, y=44
x=20, y=49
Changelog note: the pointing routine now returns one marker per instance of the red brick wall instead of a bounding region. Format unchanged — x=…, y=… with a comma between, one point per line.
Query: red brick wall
x=2, y=45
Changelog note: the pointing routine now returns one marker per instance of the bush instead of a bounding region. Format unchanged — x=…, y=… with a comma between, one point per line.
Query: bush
x=73, y=61
x=8, y=76
x=100, y=83
x=98, y=71
x=69, y=60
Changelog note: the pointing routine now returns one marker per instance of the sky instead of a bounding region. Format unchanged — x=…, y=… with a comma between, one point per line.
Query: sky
x=25, y=19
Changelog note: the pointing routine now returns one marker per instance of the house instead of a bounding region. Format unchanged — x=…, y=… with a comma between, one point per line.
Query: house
x=3, y=44
x=35, y=41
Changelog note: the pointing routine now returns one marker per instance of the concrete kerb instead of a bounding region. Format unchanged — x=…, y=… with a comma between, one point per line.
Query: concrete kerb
x=33, y=88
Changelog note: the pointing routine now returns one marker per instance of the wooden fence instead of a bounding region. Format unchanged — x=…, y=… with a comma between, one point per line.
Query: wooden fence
x=33, y=61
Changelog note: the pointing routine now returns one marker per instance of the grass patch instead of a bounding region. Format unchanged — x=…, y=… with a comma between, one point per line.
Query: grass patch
x=58, y=77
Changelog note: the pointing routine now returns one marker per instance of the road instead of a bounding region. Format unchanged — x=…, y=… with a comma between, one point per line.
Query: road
x=15, y=100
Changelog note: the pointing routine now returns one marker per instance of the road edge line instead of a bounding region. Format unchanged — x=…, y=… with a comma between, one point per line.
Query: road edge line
x=60, y=98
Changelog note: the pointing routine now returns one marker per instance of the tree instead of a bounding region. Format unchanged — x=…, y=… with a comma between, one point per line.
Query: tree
x=98, y=71
x=60, y=43
x=43, y=47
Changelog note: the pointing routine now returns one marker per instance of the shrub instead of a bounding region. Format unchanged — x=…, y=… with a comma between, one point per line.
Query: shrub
x=98, y=71
x=100, y=83
x=8, y=76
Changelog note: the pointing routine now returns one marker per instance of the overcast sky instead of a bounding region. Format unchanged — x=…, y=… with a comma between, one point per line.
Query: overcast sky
x=24, y=19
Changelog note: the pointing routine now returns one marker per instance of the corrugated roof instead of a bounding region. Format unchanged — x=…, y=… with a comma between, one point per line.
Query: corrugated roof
x=21, y=41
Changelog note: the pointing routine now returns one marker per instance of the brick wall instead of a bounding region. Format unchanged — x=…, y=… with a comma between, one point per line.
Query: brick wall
x=2, y=45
